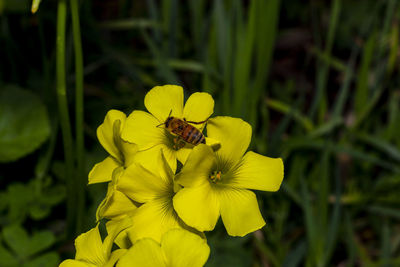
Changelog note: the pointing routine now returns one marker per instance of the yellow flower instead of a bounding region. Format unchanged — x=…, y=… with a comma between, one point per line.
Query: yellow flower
x=92, y=252
x=216, y=183
x=141, y=127
x=178, y=248
x=115, y=205
x=122, y=153
x=155, y=188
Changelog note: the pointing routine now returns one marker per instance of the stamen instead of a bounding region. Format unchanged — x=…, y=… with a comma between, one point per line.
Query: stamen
x=216, y=176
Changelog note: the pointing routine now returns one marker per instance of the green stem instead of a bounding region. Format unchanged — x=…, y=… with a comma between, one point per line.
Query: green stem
x=64, y=116
x=80, y=177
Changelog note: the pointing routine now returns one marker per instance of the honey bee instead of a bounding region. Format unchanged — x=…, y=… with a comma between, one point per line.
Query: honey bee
x=184, y=130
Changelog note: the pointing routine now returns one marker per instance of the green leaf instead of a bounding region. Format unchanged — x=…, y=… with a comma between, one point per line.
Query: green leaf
x=24, y=246
x=228, y=251
x=17, y=239
x=54, y=195
x=40, y=241
x=38, y=211
x=19, y=197
x=47, y=260
x=6, y=258
x=285, y=108
x=388, y=148
x=296, y=255
x=362, y=90
x=128, y=24
x=24, y=123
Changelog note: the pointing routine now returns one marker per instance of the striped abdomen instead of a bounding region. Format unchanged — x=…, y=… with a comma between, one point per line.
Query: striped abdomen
x=187, y=132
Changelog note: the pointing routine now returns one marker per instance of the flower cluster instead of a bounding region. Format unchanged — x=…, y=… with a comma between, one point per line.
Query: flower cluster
x=165, y=187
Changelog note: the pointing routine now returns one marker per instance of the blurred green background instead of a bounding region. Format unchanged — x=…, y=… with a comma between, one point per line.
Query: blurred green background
x=318, y=81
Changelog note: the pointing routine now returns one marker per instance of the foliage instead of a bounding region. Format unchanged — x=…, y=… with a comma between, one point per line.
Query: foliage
x=317, y=80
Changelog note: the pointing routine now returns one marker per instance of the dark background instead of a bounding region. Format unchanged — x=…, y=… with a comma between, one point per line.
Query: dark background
x=317, y=80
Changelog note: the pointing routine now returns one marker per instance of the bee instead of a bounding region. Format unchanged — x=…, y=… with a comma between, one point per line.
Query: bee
x=184, y=130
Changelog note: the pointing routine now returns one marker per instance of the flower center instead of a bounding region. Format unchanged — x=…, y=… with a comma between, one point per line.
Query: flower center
x=216, y=176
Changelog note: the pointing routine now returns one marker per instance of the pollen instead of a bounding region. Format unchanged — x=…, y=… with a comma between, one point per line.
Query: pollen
x=216, y=176
x=178, y=143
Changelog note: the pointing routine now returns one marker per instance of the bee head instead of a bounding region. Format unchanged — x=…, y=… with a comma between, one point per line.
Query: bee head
x=167, y=121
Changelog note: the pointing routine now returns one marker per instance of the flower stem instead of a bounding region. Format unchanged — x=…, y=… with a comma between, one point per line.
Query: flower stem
x=64, y=116
x=81, y=181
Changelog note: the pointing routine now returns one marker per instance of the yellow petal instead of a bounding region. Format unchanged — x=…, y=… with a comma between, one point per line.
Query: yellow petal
x=161, y=100
x=198, y=108
x=89, y=247
x=183, y=248
x=258, y=172
x=122, y=239
x=115, y=229
x=75, y=263
x=115, y=256
x=116, y=205
x=234, y=135
x=144, y=253
x=164, y=169
x=153, y=219
x=239, y=211
x=198, y=167
x=106, y=132
x=146, y=158
x=141, y=129
x=213, y=143
x=170, y=156
x=129, y=151
x=198, y=207
x=102, y=172
x=141, y=184
x=183, y=153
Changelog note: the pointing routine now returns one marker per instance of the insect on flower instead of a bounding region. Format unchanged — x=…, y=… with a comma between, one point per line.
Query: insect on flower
x=184, y=130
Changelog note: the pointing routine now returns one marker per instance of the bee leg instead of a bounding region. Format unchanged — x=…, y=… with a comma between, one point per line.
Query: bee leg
x=196, y=122
x=181, y=144
x=178, y=143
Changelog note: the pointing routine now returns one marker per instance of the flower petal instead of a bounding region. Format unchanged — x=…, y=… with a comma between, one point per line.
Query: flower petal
x=141, y=129
x=239, y=211
x=146, y=158
x=170, y=156
x=121, y=236
x=234, y=135
x=144, y=253
x=214, y=144
x=153, y=219
x=115, y=256
x=161, y=100
x=198, y=206
x=106, y=132
x=183, y=248
x=198, y=108
x=75, y=263
x=129, y=151
x=183, y=153
x=89, y=247
x=198, y=167
x=258, y=172
x=115, y=205
x=141, y=184
x=102, y=172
